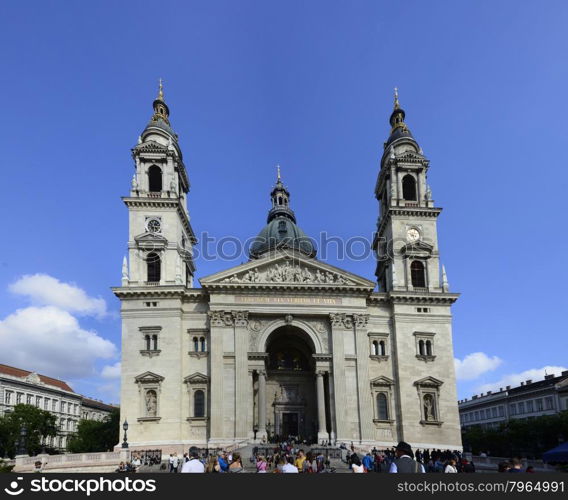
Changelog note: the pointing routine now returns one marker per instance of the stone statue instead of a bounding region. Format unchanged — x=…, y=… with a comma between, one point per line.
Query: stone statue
x=151, y=403
x=134, y=183
x=428, y=193
x=428, y=406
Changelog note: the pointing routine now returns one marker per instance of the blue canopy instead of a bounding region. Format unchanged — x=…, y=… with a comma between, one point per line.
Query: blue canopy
x=558, y=454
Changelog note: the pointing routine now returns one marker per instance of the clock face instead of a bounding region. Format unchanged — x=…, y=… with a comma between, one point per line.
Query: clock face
x=154, y=226
x=412, y=234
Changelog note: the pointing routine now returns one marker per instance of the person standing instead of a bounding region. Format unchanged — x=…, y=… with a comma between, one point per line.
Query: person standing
x=451, y=467
x=193, y=465
x=404, y=463
x=290, y=468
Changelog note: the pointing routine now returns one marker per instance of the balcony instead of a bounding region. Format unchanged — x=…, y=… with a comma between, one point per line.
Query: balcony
x=152, y=283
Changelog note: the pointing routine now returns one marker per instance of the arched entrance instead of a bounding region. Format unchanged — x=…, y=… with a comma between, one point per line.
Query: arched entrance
x=290, y=385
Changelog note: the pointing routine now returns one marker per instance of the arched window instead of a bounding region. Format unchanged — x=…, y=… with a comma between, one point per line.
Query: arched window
x=429, y=347
x=154, y=179
x=154, y=267
x=375, y=348
x=202, y=340
x=195, y=344
x=382, y=407
x=418, y=274
x=409, y=188
x=382, y=348
x=421, y=348
x=199, y=404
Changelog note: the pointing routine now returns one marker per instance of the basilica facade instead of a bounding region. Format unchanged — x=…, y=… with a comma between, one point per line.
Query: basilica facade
x=284, y=344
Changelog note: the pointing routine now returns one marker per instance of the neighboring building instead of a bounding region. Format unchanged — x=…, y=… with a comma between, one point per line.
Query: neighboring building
x=19, y=386
x=94, y=409
x=528, y=400
x=284, y=344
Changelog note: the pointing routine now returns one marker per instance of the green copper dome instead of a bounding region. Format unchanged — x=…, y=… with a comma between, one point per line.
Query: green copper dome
x=281, y=230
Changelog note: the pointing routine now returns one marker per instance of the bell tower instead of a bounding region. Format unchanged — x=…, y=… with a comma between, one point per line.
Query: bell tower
x=160, y=243
x=406, y=242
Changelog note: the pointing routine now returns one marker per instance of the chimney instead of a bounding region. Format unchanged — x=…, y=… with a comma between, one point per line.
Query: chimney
x=548, y=377
x=522, y=383
x=565, y=373
x=489, y=392
x=528, y=382
x=500, y=389
x=508, y=387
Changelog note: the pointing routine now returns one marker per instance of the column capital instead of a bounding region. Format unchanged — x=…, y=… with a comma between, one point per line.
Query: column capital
x=261, y=373
x=361, y=320
x=320, y=373
x=341, y=320
x=240, y=318
x=220, y=318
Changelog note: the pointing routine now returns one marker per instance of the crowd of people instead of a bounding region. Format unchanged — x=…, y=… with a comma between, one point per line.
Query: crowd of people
x=402, y=459
x=288, y=457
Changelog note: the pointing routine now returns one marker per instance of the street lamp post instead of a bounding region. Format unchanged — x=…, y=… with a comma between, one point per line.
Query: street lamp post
x=125, y=427
x=23, y=435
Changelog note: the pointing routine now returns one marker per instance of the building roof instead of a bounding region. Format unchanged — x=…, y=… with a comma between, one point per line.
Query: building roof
x=19, y=373
x=93, y=403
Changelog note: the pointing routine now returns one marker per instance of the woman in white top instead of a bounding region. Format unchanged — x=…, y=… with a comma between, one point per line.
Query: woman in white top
x=451, y=467
x=356, y=465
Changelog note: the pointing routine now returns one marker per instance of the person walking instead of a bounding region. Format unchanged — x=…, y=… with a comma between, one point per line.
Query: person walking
x=404, y=463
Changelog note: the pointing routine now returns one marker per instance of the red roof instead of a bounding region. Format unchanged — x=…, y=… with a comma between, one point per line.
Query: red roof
x=18, y=372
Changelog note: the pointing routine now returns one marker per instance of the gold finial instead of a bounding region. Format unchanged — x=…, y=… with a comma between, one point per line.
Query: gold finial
x=278, y=171
x=396, y=103
x=161, y=90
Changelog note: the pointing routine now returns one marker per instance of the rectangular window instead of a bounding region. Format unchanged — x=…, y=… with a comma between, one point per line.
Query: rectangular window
x=62, y=407
x=501, y=411
x=521, y=408
x=29, y=399
x=513, y=408
x=8, y=397
x=539, y=405
x=494, y=412
x=54, y=405
x=548, y=403
x=46, y=403
x=476, y=416
x=38, y=401
x=530, y=406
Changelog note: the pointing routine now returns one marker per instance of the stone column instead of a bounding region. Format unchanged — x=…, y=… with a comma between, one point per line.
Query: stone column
x=322, y=431
x=337, y=332
x=250, y=410
x=242, y=402
x=332, y=434
x=261, y=404
x=219, y=320
x=363, y=380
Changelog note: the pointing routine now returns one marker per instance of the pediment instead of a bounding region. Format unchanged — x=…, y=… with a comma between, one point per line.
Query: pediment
x=151, y=240
x=286, y=268
x=151, y=147
x=410, y=157
x=148, y=377
x=428, y=382
x=196, y=378
x=382, y=380
x=417, y=248
x=33, y=378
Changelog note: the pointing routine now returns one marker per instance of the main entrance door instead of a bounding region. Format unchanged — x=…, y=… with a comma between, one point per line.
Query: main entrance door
x=289, y=424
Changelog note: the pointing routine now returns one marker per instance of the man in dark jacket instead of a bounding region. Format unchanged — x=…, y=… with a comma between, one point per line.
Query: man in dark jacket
x=404, y=463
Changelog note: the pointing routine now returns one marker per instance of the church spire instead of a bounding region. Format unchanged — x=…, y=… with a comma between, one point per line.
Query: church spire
x=398, y=126
x=280, y=197
x=161, y=110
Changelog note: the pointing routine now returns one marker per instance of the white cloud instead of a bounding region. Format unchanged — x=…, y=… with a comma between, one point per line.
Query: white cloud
x=111, y=371
x=45, y=290
x=515, y=379
x=50, y=341
x=474, y=365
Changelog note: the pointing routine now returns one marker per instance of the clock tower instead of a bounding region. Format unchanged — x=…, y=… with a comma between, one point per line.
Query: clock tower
x=160, y=234
x=406, y=241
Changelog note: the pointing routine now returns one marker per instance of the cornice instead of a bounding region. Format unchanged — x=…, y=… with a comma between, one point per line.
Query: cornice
x=169, y=291
x=423, y=297
x=162, y=203
x=302, y=288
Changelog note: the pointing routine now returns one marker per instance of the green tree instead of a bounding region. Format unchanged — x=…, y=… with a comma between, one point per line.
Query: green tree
x=93, y=436
x=38, y=424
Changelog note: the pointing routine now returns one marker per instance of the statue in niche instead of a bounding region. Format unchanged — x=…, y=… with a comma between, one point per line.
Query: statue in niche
x=428, y=408
x=297, y=363
x=151, y=404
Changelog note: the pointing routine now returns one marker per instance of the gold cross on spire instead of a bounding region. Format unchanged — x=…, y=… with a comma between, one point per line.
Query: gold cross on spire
x=161, y=90
x=396, y=103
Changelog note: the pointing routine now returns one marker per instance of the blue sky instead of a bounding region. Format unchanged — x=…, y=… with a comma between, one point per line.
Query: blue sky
x=307, y=85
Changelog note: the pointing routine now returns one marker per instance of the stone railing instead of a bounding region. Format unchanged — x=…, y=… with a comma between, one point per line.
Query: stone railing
x=71, y=460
